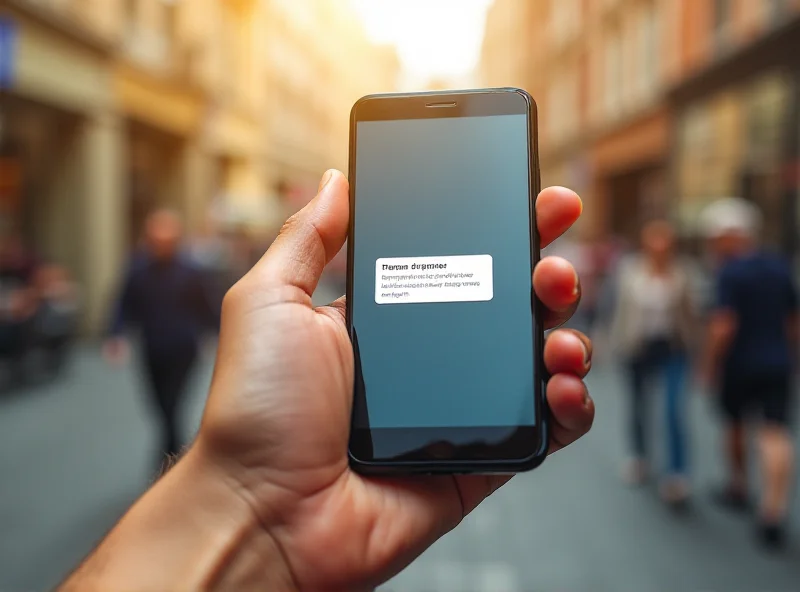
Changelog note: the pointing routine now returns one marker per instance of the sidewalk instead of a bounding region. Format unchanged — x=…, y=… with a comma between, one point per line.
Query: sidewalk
x=74, y=455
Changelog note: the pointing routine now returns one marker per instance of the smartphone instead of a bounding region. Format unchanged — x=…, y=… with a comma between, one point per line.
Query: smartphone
x=445, y=327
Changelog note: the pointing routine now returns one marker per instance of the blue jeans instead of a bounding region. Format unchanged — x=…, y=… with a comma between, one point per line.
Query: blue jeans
x=658, y=358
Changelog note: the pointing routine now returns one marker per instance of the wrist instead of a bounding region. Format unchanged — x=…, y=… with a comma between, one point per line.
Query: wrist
x=246, y=555
x=191, y=531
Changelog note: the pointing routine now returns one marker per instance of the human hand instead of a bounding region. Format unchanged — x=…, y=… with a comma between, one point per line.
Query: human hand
x=278, y=415
x=265, y=499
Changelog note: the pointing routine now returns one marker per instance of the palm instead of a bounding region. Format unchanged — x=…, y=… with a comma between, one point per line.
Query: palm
x=300, y=391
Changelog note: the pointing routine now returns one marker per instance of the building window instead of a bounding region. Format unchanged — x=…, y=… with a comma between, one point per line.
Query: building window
x=130, y=14
x=631, y=51
x=649, y=65
x=554, y=114
x=722, y=13
x=776, y=11
x=564, y=119
x=571, y=101
x=723, y=26
x=131, y=9
x=767, y=103
x=612, y=94
x=170, y=19
x=565, y=20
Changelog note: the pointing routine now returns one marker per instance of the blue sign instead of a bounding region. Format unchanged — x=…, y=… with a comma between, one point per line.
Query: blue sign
x=8, y=50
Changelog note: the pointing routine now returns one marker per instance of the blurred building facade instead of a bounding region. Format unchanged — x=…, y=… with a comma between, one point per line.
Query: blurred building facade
x=61, y=136
x=654, y=107
x=111, y=108
x=319, y=63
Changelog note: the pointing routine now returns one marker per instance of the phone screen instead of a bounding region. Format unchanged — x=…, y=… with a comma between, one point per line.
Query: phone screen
x=441, y=302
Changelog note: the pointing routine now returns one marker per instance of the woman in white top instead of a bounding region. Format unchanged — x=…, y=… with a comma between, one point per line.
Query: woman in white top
x=652, y=330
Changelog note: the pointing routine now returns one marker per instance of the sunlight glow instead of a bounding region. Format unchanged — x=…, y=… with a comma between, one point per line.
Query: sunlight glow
x=434, y=38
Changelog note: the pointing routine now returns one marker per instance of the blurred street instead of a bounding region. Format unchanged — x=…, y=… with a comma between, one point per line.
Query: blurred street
x=76, y=454
x=155, y=147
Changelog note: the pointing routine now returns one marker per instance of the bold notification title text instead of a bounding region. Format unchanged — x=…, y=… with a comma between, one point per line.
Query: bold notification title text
x=419, y=266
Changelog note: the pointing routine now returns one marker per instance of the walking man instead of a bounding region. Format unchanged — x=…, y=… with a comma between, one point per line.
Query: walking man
x=167, y=301
x=753, y=335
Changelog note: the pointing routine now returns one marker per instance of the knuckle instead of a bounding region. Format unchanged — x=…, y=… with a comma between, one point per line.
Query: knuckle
x=291, y=224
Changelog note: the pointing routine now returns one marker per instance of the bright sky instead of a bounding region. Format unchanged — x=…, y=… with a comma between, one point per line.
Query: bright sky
x=434, y=38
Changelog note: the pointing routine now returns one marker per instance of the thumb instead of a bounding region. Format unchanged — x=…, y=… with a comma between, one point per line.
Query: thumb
x=310, y=238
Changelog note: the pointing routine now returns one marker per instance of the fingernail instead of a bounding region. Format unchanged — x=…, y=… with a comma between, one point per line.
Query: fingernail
x=577, y=289
x=574, y=336
x=325, y=180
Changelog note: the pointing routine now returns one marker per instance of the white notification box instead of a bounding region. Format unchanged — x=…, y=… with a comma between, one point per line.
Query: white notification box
x=414, y=280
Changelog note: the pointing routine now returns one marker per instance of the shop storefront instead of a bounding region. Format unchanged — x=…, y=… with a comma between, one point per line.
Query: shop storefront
x=629, y=167
x=61, y=145
x=733, y=143
x=36, y=143
x=737, y=135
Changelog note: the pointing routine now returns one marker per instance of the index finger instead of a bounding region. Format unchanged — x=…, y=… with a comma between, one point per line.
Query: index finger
x=557, y=208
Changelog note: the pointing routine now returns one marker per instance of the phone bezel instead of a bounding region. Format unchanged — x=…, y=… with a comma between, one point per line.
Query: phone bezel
x=512, y=448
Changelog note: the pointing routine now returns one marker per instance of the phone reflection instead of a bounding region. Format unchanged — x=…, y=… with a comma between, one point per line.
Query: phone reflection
x=400, y=445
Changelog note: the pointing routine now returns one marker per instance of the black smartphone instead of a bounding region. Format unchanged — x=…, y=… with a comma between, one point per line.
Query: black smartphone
x=445, y=326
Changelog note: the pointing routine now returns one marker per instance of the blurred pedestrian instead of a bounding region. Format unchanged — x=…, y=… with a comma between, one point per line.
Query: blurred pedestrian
x=56, y=318
x=753, y=335
x=17, y=302
x=167, y=300
x=210, y=253
x=652, y=330
x=223, y=253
